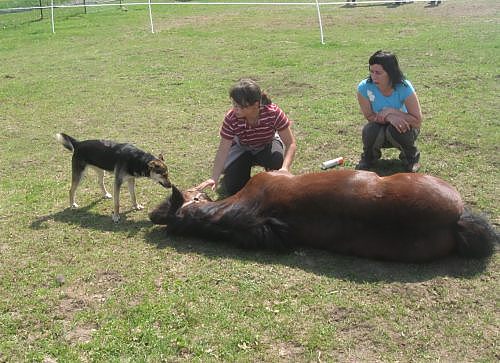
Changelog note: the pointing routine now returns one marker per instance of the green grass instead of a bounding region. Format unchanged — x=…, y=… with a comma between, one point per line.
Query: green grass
x=77, y=287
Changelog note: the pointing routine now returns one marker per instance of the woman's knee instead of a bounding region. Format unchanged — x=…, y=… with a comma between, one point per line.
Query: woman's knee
x=237, y=173
x=234, y=180
x=272, y=156
x=231, y=187
x=275, y=161
x=404, y=139
x=371, y=132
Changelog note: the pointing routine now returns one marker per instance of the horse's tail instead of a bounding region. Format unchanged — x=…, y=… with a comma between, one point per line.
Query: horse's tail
x=67, y=141
x=476, y=236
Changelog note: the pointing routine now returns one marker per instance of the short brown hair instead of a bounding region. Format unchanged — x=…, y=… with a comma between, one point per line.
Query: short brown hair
x=246, y=92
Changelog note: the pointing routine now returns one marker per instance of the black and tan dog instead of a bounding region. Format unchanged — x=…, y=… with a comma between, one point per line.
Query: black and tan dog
x=125, y=160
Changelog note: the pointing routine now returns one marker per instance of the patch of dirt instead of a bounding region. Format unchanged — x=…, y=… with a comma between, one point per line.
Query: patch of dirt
x=468, y=9
x=81, y=334
x=452, y=144
x=182, y=21
x=289, y=351
x=3, y=247
x=70, y=304
x=289, y=88
x=81, y=295
x=338, y=315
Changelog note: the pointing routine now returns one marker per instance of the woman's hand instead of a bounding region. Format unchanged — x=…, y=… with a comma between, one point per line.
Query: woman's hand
x=399, y=123
x=382, y=115
x=207, y=183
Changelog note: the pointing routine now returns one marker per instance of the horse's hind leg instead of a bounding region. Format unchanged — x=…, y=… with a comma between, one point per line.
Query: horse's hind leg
x=435, y=244
x=404, y=245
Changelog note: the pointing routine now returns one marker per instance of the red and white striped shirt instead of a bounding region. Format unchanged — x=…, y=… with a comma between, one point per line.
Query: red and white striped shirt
x=271, y=119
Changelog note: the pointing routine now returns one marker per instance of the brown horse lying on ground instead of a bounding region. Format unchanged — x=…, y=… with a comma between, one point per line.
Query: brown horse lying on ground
x=403, y=217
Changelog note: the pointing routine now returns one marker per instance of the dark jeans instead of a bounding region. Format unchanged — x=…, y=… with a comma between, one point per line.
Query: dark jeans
x=237, y=174
x=377, y=136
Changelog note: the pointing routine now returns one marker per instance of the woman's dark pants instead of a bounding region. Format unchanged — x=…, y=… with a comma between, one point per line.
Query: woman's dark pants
x=237, y=174
x=377, y=136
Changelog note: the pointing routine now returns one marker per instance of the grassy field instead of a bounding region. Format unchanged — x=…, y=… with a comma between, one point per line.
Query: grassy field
x=76, y=287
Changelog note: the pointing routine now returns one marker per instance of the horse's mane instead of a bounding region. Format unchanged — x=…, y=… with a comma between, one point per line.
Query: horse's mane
x=239, y=223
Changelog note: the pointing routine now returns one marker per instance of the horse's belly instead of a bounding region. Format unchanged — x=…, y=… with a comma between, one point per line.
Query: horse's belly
x=401, y=243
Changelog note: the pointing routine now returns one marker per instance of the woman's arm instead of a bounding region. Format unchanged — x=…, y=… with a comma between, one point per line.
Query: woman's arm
x=396, y=117
x=288, y=139
x=220, y=160
x=366, y=109
x=414, y=115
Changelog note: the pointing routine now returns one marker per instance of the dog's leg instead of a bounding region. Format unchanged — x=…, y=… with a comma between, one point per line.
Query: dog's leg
x=131, y=190
x=116, y=196
x=77, y=172
x=100, y=181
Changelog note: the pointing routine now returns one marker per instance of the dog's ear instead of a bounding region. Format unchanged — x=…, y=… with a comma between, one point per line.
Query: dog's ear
x=160, y=157
x=156, y=164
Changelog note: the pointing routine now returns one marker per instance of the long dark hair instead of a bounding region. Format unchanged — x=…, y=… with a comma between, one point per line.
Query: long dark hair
x=246, y=92
x=390, y=63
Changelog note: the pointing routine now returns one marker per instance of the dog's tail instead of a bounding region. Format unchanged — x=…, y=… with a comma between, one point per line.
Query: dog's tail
x=476, y=236
x=67, y=141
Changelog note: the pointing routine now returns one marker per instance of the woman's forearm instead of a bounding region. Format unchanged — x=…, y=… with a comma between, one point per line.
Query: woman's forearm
x=413, y=121
x=220, y=158
x=289, y=156
x=288, y=139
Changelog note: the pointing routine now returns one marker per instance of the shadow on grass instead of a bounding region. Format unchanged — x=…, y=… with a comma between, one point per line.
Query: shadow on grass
x=325, y=263
x=389, y=5
x=385, y=167
x=84, y=217
x=433, y=4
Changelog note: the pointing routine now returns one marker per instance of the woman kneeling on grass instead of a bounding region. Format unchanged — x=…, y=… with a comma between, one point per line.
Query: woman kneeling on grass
x=255, y=131
x=389, y=103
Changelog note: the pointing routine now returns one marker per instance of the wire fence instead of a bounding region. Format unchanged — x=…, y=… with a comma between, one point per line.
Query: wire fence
x=13, y=6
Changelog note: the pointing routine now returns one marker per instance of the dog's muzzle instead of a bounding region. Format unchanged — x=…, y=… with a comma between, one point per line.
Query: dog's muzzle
x=165, y=183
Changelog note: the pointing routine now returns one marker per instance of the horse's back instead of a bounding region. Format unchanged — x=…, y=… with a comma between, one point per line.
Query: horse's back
x=404, y=198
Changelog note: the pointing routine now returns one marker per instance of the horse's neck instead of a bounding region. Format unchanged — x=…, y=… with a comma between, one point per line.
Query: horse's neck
x=206, y=212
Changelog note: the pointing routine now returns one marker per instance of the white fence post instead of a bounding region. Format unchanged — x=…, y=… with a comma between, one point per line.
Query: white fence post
x=320, y=23
x=151, y=17
x=52, y=15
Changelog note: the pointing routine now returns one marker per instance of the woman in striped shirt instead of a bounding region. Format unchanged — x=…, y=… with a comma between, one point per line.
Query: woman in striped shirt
x=255, y=131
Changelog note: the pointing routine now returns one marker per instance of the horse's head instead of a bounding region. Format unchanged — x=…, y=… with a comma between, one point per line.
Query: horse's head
x=191, y=196
x=177, y=201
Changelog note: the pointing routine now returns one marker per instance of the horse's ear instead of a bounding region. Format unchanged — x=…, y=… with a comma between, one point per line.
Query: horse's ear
x=160, y=156
x=176, y=199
